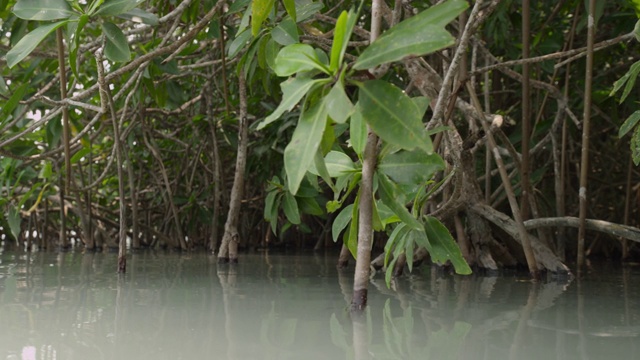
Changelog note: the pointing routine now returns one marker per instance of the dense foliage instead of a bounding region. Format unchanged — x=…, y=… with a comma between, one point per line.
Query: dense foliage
x=147, y=124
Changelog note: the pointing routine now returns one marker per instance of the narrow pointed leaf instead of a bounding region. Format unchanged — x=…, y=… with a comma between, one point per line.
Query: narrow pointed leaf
x=117, y=7
x=393, y=116
x=306, y=11
x=290, y=207
x=341, y=221
x=260, y=10
x=95, y=4
x=629, y=124
x=419, y=35
x=268, y=204
x=140, y=16
x=42, y=10
x=357, y=131
x=290, y=7
x=338, y=39
x=4, y=90
x=300, y=152
x=73, y=54
x=444, y=247
x=34, y=207
x=117, y=47
x=388, y=195
x=319, y=167
x=13, y=102
x=352, y=238
x=241, y=40
x=398, y=233
x=14, y=220
x=29, y=42
x=293, y=90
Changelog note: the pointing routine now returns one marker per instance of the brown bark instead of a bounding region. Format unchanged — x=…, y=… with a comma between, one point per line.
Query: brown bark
x=108, y=104
x=545, y=258
x=343, y=259
x=229, y=246
x=584, y=159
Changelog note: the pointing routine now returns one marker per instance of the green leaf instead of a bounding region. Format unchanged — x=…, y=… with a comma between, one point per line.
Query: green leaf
x=14, y=220
x=309, y=206
x=393, y=116
x=42, y=10
x=338, y=39
x=396, y=251
x=46, y=171
x=339, y=164
x=411, y=167
x=290, y=207
x=408, y=251
x=389, y=196
x=242, y=39
x=635, y=146
x=629, y=124
x=352, y=235
x=629, y=79
x=357, y=131
x=338, y=103
x=80, y=154
x=398, y=233
x=319, y=167
x=272, y=203
x=237, y=6
x=444, y=247
x=293, y=90
x=117, y=7
x=75, y=41
x=422, y=102
x=4, y=90
x=299, y=153
x=290, y=6
x=306, y=11
x=297, y=58
x=419, y=35
x=260, y=10
x=140, y=16
x=13, y=101
x=30, y=41
x=344, y=35
x=341, y=221
x=93, y=6
x=117, y=47
x=286, y=33
x=387, y=216
x=271, y=52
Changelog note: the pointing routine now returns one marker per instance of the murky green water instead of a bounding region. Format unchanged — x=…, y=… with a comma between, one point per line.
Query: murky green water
x=74, y=306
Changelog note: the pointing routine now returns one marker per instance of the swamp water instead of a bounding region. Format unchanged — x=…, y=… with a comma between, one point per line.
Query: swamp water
x=185, y=306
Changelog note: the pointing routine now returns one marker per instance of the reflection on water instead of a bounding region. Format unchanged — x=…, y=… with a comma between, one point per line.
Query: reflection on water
x=74, y=306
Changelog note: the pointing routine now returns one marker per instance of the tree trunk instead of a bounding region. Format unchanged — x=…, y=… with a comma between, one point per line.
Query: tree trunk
x=229, y=246
x=545, y=258
x=135, y=217
x=365, y=215
x=586, y=124
x=109, y=106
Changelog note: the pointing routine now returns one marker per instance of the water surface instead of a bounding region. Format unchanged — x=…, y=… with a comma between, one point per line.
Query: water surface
x=185, y=306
